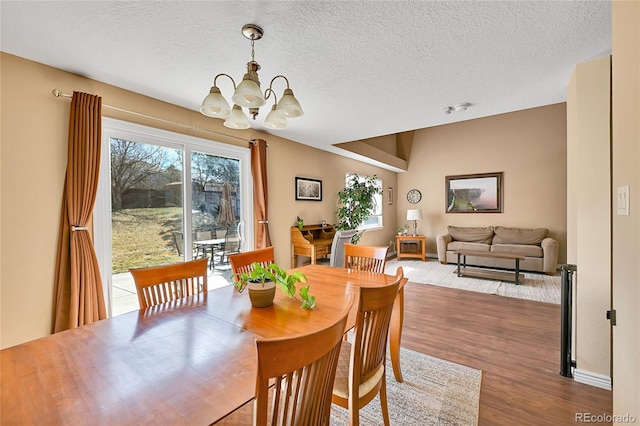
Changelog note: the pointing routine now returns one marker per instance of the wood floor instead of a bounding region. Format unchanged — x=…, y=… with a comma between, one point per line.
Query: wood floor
x=516, y=344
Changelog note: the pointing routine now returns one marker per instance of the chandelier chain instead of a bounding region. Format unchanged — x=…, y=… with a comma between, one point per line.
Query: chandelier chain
x=253, y=52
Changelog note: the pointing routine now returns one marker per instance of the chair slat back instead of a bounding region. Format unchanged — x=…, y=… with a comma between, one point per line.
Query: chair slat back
x=365, y=258
x=243, y=262
x=160, y=284
x=372, y=328
x=303, y=368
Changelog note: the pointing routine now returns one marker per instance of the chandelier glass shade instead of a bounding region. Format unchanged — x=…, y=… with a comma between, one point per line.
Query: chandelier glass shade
x=249, y=95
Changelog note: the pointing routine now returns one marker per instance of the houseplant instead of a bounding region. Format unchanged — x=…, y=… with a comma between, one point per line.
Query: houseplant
x=356, y=202
x=262, y=280
x=299, y=222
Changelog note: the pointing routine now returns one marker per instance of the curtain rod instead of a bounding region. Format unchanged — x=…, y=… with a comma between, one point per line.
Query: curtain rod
x=58, y=94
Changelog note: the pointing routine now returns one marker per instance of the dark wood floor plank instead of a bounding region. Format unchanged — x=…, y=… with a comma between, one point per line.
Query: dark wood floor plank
x=516, y=344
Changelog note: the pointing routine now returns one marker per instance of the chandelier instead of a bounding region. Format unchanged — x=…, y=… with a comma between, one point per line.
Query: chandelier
x=249, y=95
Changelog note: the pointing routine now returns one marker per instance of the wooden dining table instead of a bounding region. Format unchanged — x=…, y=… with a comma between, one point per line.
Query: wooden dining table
x=187, y=362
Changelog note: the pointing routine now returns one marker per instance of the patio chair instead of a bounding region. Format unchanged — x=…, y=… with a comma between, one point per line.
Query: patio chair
x=204, y=250
x=178, y=241
x=232, y=244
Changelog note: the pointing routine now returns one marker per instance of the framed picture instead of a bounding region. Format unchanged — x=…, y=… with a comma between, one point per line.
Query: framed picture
x=390, y=195
x=478, y=193
x=308, y=189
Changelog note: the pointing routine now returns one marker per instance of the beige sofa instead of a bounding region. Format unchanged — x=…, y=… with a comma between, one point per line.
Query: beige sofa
x=540, y=251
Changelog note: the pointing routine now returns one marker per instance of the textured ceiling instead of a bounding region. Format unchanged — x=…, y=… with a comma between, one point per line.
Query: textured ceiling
x=359, y=69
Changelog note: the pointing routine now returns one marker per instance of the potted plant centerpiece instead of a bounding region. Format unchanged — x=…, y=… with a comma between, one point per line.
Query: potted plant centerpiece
x=262, y=280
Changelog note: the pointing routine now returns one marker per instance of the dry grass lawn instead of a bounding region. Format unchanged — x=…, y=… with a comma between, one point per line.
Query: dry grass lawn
x=144, y=237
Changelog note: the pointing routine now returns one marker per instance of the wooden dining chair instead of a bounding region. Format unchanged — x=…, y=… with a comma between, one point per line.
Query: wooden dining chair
x=242, y=262
x=160, y=284
x=361, y=372
x=303, y=369
x=365, y=258
x=295, y=377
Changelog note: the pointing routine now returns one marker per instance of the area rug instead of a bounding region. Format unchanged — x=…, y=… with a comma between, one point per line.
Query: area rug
x=434, y=392
x=537, y=287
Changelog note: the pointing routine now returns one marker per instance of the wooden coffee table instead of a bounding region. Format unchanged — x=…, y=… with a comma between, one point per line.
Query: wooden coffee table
x=463, y=270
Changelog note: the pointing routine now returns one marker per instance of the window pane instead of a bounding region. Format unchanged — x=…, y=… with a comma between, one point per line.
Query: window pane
x=146, y=205
x=215, y=209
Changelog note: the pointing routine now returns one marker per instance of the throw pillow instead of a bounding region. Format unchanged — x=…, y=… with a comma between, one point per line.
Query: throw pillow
x=471, y=234
x=519, y=235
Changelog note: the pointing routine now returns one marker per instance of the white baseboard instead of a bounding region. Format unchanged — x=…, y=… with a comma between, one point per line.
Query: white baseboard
x=592, y=379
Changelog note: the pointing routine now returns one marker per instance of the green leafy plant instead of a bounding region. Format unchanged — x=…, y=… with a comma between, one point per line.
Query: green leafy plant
x=356, y=202
x=287, y=282
x=300, y=222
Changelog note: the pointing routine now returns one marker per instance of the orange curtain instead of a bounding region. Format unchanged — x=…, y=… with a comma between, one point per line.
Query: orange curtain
x=78, y=288
x=260, y=192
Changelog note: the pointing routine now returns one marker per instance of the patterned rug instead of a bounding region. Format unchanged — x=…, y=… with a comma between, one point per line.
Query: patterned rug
x=535, y=286
x=434, y=392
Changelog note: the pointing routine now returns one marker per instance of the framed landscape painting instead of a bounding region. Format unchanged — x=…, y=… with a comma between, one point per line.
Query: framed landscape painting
x=477, y=193
x=308, y=189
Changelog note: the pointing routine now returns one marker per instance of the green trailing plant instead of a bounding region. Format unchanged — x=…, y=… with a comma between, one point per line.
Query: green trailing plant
x=274, y=273
x=356, y=202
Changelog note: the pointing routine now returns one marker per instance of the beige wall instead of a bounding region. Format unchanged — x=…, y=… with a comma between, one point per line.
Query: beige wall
x=589, y=207
x=33, y=162
x=528, y=146
x=291, y=159
x=626, y=229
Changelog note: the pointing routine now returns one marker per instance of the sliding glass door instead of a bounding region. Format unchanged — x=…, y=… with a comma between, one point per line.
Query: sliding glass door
x=146, y=215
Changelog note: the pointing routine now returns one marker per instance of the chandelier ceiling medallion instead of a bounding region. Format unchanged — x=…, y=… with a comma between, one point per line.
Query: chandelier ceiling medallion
x=249, y=95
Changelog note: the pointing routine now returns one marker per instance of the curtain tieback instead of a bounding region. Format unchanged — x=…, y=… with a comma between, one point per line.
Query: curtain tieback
x=79, y=228
x=263, y=221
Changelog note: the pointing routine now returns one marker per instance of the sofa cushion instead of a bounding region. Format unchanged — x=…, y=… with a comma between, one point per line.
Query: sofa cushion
x=471, y=234
x=519, y=235
x=528, y=250
x=464, y=245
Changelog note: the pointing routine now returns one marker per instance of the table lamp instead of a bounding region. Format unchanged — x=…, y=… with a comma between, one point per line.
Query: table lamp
x=415, y=215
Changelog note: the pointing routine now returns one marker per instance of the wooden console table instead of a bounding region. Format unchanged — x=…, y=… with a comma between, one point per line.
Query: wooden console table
x=313, y=241
x=463, y=270
x=419, y=240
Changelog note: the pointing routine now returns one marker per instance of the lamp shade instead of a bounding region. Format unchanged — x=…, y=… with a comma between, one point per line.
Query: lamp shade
x=289, y=105
x=237, y=119
x=414, y=214
x=274, y=120
x=215, y=105
x=248, y=93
